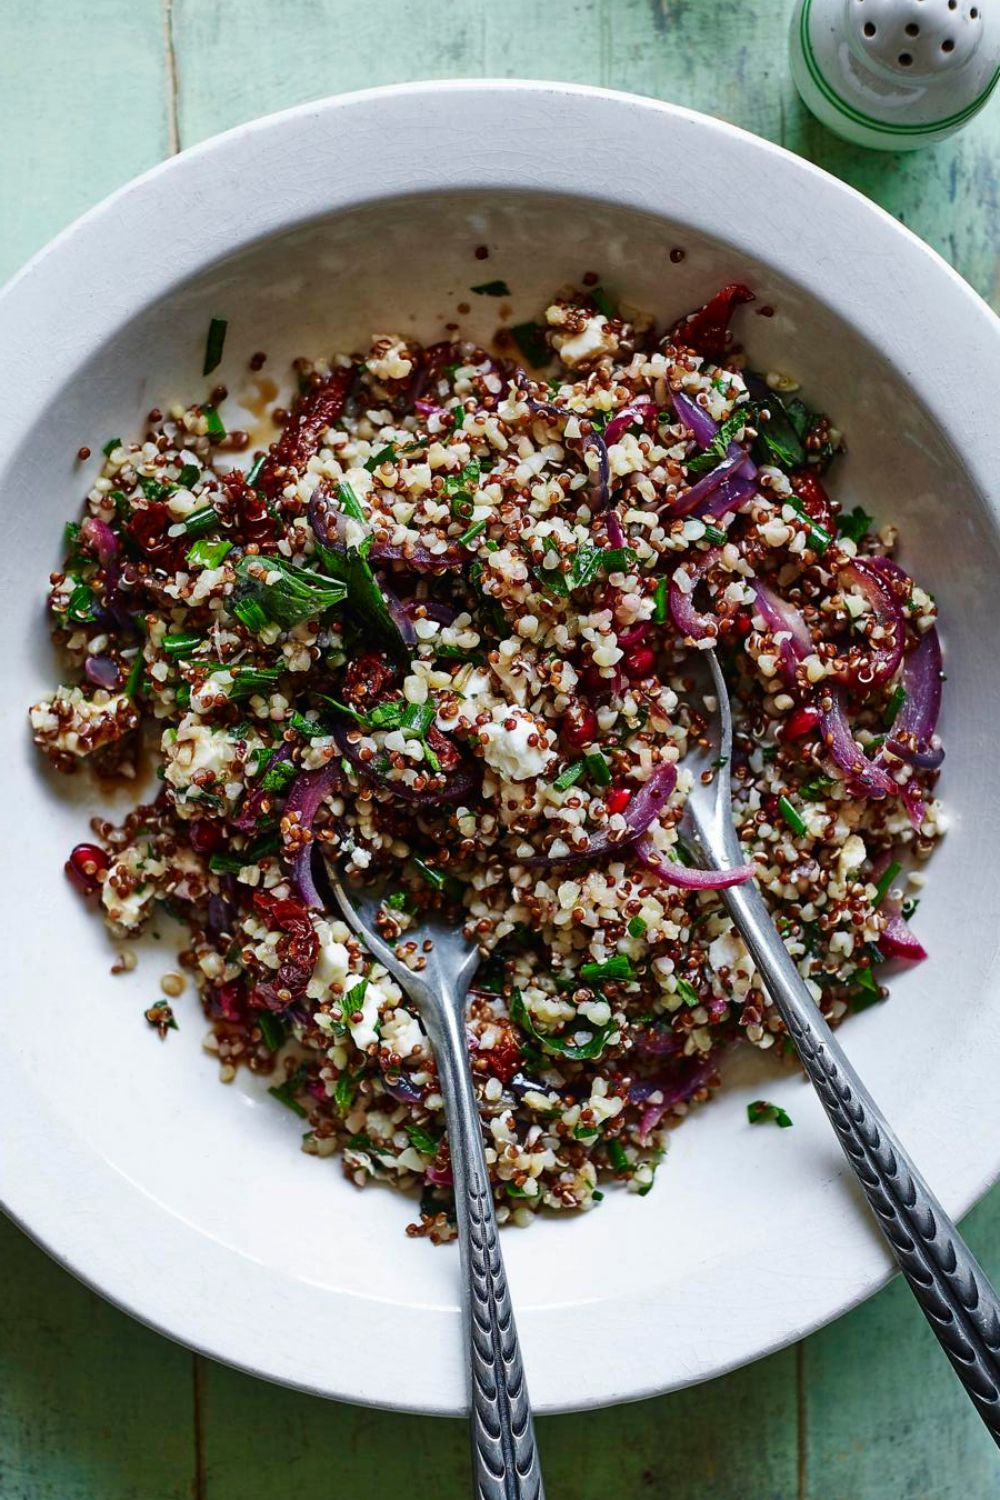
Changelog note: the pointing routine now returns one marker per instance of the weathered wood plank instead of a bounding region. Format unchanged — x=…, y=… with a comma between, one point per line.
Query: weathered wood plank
x=885, y=1418
x=84, y=106
x=734, y=1439
x=92, y=1405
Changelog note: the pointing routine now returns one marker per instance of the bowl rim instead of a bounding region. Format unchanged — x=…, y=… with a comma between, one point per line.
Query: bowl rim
x=836, y=225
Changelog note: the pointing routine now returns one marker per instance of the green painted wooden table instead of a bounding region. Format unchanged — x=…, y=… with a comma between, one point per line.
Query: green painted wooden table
x=94, y=1407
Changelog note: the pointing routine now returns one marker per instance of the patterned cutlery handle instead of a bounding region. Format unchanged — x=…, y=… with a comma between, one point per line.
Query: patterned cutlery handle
x=504, y=1455
x=956, y=1297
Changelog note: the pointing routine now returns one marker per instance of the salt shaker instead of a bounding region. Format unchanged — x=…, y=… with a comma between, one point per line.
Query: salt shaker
x=895, y=74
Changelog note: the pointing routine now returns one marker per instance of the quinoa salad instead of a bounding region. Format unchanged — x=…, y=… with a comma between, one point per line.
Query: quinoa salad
x=440, y=634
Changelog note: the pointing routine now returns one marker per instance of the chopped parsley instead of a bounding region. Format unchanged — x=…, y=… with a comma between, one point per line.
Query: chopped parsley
x=617, y=968
x=285, y=1092
x=557, y=1046
x=491, y=289
x=530, y=339
x=885, y=881
x=717, y=449
x=273, y=591
x=421, y=1141
x=272, y=1030
x=760, y=1112
x=855, y=525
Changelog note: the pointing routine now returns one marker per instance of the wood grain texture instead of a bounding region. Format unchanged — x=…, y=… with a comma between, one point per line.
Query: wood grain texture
x=84, y=105
x=94, y=1407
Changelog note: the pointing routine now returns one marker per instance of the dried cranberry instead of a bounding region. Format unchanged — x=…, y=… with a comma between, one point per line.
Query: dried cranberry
x=443, y=748
x=253, y=514
x=313, y=413
x=297, y=949
x=86, y=866
x=800, y=722
x=639, y=662
x=204, y=837
x=617, y=799
x=579, y=726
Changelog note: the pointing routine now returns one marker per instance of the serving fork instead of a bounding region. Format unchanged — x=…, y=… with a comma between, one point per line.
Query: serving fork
x=504, y=1455
x=944, y=1276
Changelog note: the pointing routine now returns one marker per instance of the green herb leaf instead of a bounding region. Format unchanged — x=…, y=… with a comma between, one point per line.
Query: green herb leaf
x=716, y=451
x=603, y=302
x=214, y=344
x=530, y=339
x=285, y=1092
x=760, y=1112
x=491, y=289
x=617, y=968
x=777, y=440
x=110, y=446
x=421, y=1141
x=181, y=643
x=616, y=1154
x=296, y=594
x=559, y=1046
x=855, y=525
x=278, y=777
x=80, y=608
x=386, y=455
x=688, y=993
x=188, y=477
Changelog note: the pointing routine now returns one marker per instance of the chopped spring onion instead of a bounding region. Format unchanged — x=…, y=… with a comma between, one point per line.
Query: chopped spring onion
x=603, y=302
x=386, y=455
x=636, y=927
x=181, y=643
x=200, y=521
x=206, y=554
x=760, y=1112
x=271, y=1029
x=188, y=476
x=570, y=776
x=253, y=473
x=134, y=680
x=214, y=425
x=716, y=535
x=819, y=537
x=349, y=501
x=476, y=529
x=616, y=1153
x=660, y=601
x=598, y=767
x=417, y=718
x=250, y=680
x=688, y=993
x=214, y=345
x=885, y=881
x=437, y=878
x=894, y=703
x=792, y=816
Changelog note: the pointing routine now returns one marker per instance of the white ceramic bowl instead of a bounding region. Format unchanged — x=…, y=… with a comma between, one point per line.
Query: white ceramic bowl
x=190, y=1204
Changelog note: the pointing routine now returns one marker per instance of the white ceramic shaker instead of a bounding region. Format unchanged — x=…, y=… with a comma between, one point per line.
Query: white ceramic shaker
x=895, y=74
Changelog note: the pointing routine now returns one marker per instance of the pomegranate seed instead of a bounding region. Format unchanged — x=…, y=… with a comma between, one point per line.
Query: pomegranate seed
x=204, y=837
x=618, y=799
x=85, y=867
x=579, y=726
x=743, y=622
x=800, y=723
x=639, y=661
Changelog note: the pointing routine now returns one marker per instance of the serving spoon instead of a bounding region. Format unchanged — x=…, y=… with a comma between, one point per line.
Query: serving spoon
x=504, y=1456
x=953, y=1291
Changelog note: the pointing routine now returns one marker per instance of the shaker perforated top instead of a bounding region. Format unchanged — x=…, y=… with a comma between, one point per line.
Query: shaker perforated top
x=914, y=38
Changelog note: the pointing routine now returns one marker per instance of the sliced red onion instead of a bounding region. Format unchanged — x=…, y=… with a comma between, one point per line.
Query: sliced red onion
x=695, y=418
x=898, y=941
x=912, y=735
x=328, y=521
x=689, y=877
x=600, y=482
x=865, y=778
x=418, y=557
x=616, y=535
x=98, y=535
x=674, y=1091
x=642, y=411
x=657, y=1040
x=632, y=635
x=887, y=653
x=730, y=494
x=782, y=618
x=401, y=1087
x=462, y=783
x=692, y=624
x=305, y=796
x=440, y=1176
x=103, y=672
x=642, y=810
x=736, y=464
x=249, y=815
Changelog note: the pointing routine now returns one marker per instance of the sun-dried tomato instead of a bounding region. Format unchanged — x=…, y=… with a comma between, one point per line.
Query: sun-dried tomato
x=298, y=950
x=147, y=530
x=443, y=748
x=314, y=411
x=367, y=677
x=815, y=501
x=503, y=1059
x=707, y=330
x=253, y=517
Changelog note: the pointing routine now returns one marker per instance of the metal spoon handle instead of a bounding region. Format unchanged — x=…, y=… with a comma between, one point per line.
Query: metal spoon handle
x=504, y=1456
x=956, y=1297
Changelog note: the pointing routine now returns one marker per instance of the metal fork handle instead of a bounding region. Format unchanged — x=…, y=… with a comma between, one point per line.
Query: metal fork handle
x=504, y=1456
x=956, y=1297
